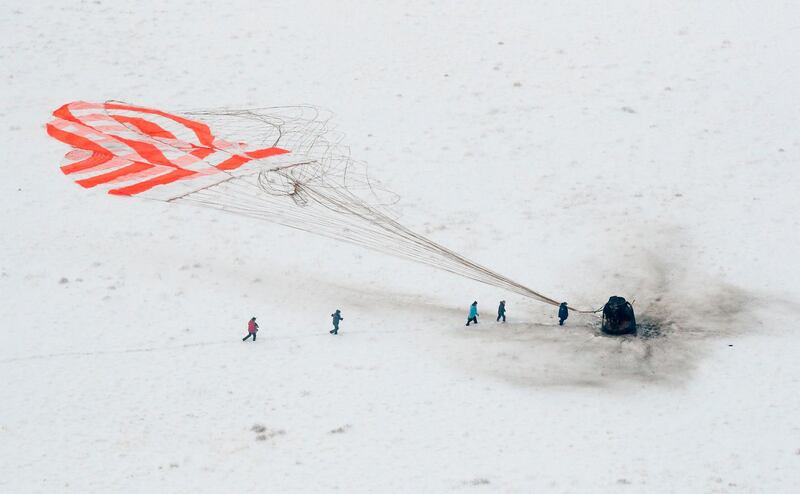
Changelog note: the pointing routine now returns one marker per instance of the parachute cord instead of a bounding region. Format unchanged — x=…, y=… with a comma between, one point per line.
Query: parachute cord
x=327, y=189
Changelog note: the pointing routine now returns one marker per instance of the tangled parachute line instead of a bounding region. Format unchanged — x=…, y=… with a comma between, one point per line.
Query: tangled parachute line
x=331, y=194
x=279, y=164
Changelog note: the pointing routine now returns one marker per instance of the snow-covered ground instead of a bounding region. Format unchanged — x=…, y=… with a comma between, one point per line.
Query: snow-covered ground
x=646, y=149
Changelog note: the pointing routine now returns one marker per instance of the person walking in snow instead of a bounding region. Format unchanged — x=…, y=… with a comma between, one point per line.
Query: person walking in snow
x=563, y=313
x=252, y=329
x=473, y=313
x=337, y=316
x=501, y=311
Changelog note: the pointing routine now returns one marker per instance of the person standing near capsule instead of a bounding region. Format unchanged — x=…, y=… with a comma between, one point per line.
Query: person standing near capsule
x=473, y=313
x=501, y=311
x=337, y=316
x=563, y=313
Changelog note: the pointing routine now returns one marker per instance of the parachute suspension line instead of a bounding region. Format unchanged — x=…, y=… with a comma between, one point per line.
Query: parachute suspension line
x=336, y=213
x=319, y=189
x=447, y=258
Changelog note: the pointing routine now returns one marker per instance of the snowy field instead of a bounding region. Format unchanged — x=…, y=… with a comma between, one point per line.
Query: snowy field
x=585, y=149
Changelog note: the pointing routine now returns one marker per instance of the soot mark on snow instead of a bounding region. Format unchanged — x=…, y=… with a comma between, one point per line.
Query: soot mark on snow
x=340, y=430
x=264, y=434
x=681, y=315
x=476, y=482
x=387, y=298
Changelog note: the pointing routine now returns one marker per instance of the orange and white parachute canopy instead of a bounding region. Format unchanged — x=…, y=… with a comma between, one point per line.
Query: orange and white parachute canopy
x=130, y=150
x=280, y=164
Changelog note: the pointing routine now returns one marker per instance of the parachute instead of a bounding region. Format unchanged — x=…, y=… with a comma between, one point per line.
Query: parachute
x=280, y=164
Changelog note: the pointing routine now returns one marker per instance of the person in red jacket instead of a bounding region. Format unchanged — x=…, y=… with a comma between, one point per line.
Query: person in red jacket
x=252, y=329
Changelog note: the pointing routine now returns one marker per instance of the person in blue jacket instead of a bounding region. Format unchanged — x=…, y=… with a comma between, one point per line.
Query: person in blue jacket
x=563, y=313
x=501, y=311
x=337, y=316
x=473, y=313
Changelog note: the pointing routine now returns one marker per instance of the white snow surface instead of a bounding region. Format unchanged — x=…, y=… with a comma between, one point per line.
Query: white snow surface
x=585, y=149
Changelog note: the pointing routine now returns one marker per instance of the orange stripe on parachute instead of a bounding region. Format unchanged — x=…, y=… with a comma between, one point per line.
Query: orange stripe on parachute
x=145, y=126
x=168, y=178
x=202, y=152
x=154, y=167
x=99, y=155
x=146, y=150
x=233, y=162
x=238, y=160
x=132, y=169
x=201, y=130
x=266, y=152
x=63, y=113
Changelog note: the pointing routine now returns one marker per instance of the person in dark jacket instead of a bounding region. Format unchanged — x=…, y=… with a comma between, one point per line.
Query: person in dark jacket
x=473, y=313
x=337, y=316
x=563, y=313
x=252, y=329
x=501, y=311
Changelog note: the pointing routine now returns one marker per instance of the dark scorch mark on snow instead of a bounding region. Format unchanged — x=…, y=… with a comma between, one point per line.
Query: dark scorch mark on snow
x=681, y=311
x=340, y=430
x=476, y=482
x=263, y=434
